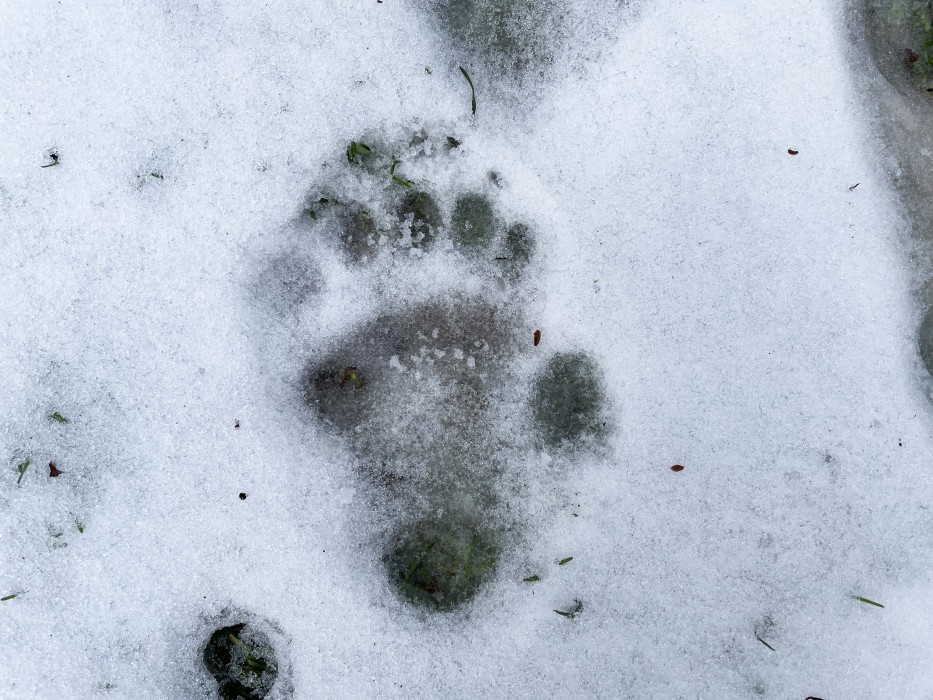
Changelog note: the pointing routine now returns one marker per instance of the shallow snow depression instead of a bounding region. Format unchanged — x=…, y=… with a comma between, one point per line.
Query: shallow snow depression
x=320, y=385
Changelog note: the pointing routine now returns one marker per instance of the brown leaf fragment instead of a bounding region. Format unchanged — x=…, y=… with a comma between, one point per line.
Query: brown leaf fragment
x=854, y=186
x=53, y=470
x=792, y=151
x=537, y=338
x=912, y=56
x=677, y=468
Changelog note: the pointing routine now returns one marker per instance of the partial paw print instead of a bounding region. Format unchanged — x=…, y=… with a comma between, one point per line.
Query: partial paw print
x=425, y=360
x=246, y=659
x=394, y=200
x=900, y=38
x=515, y=35
x=510, y=45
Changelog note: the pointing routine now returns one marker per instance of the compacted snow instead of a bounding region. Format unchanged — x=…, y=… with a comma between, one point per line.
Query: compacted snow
x=323, y=360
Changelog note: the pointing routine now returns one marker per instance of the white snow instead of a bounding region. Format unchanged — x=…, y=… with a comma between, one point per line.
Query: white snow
x=750, y=312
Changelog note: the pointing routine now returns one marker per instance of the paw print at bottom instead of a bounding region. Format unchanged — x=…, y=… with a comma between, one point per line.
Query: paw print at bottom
x=242, y=660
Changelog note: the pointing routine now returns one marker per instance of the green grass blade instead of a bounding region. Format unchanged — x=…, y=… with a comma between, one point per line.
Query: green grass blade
x=59, y=418
x=395, y=178
x=472, y=89
x=866, y=600
x=256, y=664
x=357, y=148
x=21, y=468
x=764, y=642
x=573, y=612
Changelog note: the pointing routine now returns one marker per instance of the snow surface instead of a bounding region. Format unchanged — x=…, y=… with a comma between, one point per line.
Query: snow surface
x=752, y=316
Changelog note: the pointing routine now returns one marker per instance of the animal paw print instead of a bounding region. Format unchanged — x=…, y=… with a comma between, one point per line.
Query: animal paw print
x=517, y=35
x=899, y=35
x=242, y=660
x=421, y=384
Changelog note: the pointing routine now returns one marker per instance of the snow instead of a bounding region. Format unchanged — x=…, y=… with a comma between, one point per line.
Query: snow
x=754, y=320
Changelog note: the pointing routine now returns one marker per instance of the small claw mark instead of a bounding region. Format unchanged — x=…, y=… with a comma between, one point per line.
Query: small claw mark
x=677, y=468
x=537, y=338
